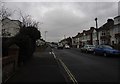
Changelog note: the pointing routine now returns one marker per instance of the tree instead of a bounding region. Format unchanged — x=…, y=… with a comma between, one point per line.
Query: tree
x=4, y=11
x=26, y=40
x=28, y=21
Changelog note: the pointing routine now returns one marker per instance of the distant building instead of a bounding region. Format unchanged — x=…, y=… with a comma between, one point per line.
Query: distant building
x=10, y=27
x=67, y=41
x=79, y=40
x=75, y=41
x=40, y=42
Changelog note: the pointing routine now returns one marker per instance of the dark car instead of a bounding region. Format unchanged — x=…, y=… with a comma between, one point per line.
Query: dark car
x=106, y=50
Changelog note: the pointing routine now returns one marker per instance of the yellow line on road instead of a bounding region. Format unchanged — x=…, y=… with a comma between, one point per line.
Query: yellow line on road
x=68, y=72
x=72, y=78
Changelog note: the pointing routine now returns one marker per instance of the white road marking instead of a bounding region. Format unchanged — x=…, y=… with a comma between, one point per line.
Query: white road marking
x=54, y=55
x=72, y=78
x=50, y=52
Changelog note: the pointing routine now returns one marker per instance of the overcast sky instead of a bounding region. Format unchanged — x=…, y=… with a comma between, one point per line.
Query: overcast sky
x=66, y=18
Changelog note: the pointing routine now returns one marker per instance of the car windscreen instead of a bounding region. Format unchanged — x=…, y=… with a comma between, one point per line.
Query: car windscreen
x=91, y=46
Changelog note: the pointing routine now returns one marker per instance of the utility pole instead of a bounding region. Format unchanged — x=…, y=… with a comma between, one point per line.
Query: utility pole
x=45, y=35
x=64, y=37
x=97, y=30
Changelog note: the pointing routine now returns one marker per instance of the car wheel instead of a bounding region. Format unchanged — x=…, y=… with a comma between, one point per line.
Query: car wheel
x=105, y=54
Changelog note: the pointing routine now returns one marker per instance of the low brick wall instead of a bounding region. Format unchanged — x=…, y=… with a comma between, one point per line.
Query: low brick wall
x=9, y=63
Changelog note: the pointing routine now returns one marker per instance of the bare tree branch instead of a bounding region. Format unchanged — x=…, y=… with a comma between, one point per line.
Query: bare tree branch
x=27, y=20
x=4, y=11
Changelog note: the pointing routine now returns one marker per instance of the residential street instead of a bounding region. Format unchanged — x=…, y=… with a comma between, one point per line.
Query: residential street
x=50, y=41
x=88, y=67
x=67, y=65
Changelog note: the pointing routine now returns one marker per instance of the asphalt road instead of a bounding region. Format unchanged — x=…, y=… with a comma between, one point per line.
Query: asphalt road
x=88, y=67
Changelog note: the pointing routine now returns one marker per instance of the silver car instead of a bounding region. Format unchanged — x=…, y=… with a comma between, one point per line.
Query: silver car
x=67, y=46
x=88, y=48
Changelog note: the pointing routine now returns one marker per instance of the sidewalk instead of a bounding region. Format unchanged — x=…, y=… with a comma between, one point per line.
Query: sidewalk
x=42, y=68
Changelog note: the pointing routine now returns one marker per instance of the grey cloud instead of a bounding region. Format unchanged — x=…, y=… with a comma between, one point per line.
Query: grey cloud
x=67, y=18
x=118, y=8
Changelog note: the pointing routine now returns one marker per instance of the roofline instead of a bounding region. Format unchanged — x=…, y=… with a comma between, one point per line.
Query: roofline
x=117, y=16
x=11, y=20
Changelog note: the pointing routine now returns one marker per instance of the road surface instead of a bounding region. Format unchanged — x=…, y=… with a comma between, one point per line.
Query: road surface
x=88, y=67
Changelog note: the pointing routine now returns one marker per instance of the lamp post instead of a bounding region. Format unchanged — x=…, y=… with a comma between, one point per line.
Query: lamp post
x=97, y=30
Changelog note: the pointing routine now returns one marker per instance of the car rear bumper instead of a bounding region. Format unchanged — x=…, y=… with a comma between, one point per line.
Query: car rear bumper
x=114, y=54
x=90, y=50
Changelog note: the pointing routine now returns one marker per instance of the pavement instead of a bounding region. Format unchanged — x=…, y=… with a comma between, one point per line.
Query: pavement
x=42, y=68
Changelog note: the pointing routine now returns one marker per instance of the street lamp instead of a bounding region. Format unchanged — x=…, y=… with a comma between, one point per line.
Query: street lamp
x=97, y=30
x=96, y=22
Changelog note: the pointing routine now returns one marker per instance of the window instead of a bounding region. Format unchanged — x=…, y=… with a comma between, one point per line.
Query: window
x=94, y=35
x=103, y=41
x=108, y=32
x=103, y=33
x=106, y=46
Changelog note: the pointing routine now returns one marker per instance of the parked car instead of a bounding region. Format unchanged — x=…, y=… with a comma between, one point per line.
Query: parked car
x=67, y=46
x=87, y=48
x=106, y=50
x=60, y=46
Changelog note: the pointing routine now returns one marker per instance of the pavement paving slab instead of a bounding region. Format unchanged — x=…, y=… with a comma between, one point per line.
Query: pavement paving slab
x=41, y=68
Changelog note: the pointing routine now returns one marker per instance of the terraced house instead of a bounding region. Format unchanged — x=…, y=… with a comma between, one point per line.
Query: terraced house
x=89, y=36
x=116, y=38
x=86, y=37
x=105, y=31
x=75, y=41
x=109, y=33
